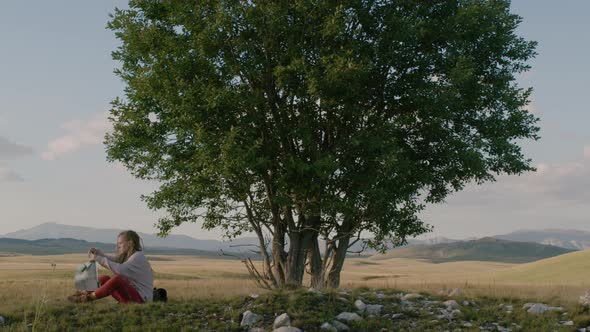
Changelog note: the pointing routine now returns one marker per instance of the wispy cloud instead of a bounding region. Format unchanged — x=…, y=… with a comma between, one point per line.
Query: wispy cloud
x=78, y=134
x=10, y=150
x=551, y=183
x=8, y=175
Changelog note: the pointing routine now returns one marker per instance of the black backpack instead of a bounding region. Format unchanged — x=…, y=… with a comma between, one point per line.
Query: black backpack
x=160, y=295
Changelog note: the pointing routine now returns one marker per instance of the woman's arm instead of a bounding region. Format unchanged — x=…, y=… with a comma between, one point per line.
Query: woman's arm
x=98, y=256
x=125, y=269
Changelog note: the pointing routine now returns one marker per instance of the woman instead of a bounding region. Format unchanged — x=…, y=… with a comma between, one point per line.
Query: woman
x=133, y=278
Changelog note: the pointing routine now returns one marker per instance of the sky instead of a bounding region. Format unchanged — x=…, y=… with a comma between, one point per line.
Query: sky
x=57, y=82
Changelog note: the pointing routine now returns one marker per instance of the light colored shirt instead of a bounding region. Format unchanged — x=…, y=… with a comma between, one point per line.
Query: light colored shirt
x=136, y=269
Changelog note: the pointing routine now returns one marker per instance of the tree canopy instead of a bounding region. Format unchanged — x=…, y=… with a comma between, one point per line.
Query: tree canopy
x=307, y=120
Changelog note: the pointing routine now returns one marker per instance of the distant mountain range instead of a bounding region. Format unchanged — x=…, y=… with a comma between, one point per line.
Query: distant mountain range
x=438, y=249
x=73, y=246
x=564, y=238
x=485, y=249
x=57, y=231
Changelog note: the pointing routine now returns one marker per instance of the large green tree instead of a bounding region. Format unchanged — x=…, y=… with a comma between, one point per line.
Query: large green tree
x=305, y=120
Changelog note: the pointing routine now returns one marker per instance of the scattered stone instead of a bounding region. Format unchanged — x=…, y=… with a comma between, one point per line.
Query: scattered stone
x=287, y=329
x=411, y=296
x=566, y=323
x=503, y=329
x=539, y=308
x=282, y=320
x=315, y=291
x=585, y=299
x=249, y=318
x=373, y=309
x=455, y=292
x=340, y=326
x=451, y=304
x=380, y=296
x=254, y=295
x=2, y=321
x=348, y=316
x=509, y=307
x=360, y=305
x=257, y=329
x=341, y=299
x=328, y=327
x=343, y=292
x=397, y=316
x=466, y=303
x=467, y=324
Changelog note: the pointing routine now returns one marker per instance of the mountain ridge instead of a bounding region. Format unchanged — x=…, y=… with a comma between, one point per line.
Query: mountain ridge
x=60, y=246
x=484, y=249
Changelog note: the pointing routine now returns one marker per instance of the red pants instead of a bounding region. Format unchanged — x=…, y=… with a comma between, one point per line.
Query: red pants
x=119, y=287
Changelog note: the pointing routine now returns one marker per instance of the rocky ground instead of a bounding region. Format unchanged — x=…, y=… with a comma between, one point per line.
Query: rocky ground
x=312, y=310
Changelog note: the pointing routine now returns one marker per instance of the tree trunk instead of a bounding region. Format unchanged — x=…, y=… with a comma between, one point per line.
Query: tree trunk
x=316, y=267
x=298, y=248
x=278, y=257
x=337, y=262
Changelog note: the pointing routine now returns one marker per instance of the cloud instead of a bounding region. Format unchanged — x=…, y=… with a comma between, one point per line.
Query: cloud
x=555, y=183
x=7, y=175
x=587, y=151
x=555, y=196
x=533, y=108
x=9, y=150
x=78, y=134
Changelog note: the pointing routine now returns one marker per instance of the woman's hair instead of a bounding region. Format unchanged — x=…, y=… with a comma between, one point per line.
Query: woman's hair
x=135, y=245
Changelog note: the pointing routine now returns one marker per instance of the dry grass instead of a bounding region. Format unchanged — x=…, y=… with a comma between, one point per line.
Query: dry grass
x=27, y=281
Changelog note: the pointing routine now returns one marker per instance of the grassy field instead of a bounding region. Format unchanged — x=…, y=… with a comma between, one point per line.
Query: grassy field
x=31, y=283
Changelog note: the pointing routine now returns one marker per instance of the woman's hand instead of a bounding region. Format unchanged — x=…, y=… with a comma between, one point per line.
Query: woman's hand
x=93, y=252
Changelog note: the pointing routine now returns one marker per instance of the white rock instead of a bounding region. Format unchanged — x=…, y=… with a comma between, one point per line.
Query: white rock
x=254, y=295
x=2, y=321
x=567, y=323
x=538, y=308
x=340, y=326
x=455, y=292
x=374, y=309
x=328, y=327
x=286, y=329
x=411, y=296
x=396, y=316
x=509, y=307
x=467, y=324
x=451, y=304
x=341, y=299
x=380, y=296
x=466, y=303
x=249, y=318
x=348, y=316
x=503, y=329
x=282, y=320
x=585, y=299
x=360, y=305
x=315, y=291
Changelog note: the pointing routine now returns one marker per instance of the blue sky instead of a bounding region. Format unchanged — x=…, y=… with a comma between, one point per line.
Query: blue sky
x=56, y=83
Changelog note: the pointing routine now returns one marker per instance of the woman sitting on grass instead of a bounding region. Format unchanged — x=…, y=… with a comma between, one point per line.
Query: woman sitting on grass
x=133, y=278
